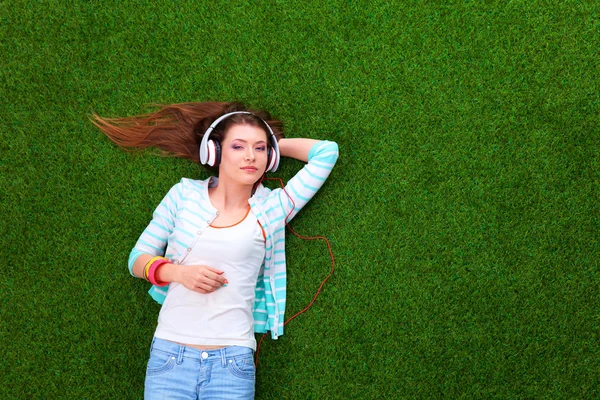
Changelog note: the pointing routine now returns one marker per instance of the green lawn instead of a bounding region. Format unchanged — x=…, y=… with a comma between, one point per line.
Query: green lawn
x=463, y=212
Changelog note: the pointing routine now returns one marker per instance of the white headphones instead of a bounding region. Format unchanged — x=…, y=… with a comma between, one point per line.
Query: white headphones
x=210, y=150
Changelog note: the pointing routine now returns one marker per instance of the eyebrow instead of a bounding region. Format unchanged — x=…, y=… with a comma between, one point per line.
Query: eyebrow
x=245, y=141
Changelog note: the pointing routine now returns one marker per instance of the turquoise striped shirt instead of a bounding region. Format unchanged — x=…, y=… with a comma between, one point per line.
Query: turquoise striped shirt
x=185, y=212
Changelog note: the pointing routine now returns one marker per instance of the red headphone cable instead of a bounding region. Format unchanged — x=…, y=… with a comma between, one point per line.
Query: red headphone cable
x=304, y=238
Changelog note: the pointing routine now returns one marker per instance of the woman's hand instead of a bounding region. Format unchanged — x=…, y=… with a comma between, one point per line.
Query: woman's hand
x=199, y=278
x=297, y=148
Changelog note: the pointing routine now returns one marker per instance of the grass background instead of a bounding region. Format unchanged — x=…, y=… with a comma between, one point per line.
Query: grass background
x=463, y=212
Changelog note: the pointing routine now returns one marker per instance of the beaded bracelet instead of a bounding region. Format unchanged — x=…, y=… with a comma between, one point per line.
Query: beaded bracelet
x=148, y=265
x=154, y=268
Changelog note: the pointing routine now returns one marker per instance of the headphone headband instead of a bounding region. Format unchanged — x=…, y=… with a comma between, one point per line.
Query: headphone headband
x=204, y=158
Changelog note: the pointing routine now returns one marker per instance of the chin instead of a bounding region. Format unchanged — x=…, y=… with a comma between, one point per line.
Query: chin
x=250, y=180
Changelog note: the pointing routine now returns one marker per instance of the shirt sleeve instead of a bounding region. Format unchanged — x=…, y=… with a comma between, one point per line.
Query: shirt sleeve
x=154, y=239
x=305, y=184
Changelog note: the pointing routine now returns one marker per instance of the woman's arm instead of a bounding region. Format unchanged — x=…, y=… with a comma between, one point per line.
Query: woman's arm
x=296, y=148
x=153, y=242
x=320, y=157
x=199, y=278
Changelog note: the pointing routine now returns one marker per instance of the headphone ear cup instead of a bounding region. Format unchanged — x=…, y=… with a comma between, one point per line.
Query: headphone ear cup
x=270, y=159
x=218, y=154
x=214, y=153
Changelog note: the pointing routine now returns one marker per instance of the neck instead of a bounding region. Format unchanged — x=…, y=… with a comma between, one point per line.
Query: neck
x=230, y=196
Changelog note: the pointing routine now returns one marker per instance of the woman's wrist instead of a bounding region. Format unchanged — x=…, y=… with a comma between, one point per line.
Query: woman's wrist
x=167, y=273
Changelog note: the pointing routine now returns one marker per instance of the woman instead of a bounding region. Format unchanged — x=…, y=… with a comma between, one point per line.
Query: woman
x=214, y=249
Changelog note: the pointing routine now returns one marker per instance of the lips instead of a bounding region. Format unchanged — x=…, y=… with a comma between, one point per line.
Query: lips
x=250, y=169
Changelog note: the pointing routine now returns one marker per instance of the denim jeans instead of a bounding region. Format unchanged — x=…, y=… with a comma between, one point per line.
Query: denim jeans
x=180, y=372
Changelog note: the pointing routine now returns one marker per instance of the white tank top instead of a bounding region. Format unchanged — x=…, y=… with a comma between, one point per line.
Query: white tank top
x=223, y=317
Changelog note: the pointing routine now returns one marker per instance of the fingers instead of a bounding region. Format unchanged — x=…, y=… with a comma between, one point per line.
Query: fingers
x=206, y=280
x=206, y=288
x=206, y=285
x=216, y=275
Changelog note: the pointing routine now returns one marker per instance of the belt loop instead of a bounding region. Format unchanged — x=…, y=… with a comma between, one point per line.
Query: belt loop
x=180, y=355
x=224, y=357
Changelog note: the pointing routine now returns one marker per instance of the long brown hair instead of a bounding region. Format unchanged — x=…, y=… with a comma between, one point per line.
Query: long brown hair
x=177, y=129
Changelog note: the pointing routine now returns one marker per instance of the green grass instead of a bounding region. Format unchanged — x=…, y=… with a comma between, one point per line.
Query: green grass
x=463, y=212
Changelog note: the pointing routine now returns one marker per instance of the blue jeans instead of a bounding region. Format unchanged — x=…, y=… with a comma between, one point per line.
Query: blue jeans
x=180, y=372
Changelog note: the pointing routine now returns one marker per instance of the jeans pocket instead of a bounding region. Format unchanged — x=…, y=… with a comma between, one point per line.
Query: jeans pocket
x=242, y=366
x=160, y=362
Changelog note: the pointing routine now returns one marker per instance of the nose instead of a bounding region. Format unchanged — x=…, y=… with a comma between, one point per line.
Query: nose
x=250, y=154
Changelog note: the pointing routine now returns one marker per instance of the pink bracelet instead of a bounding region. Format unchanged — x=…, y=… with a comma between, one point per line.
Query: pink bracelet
x=152, y=272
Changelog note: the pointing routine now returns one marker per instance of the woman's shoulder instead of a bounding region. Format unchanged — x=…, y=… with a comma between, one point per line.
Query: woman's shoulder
x=193, y=184
x=262, y=192
x=189, y=188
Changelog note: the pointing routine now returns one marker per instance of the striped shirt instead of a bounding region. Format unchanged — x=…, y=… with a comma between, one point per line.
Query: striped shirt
x=186, y=211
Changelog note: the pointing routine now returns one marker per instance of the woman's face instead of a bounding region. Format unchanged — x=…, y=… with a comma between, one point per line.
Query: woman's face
x=243, y=154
